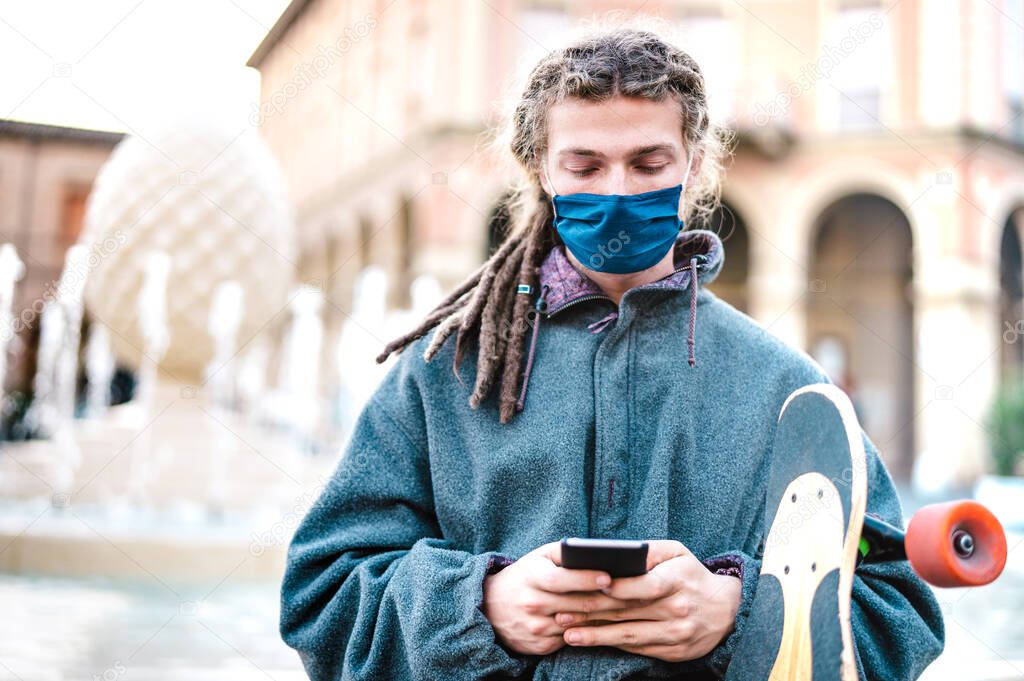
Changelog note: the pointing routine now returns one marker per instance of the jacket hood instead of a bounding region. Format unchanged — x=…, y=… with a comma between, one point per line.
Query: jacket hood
x=693, y=242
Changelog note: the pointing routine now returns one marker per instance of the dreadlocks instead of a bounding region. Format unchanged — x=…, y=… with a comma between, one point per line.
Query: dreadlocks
x=486, y=307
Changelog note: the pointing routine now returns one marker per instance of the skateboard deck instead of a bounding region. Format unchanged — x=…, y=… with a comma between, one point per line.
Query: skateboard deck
x=818, y=534
x=799, y=623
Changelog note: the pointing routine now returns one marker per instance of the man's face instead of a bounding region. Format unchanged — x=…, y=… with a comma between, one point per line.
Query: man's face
x=625, y=145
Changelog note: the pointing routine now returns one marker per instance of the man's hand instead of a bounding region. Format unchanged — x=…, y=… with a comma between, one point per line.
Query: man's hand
x=521, y=600
x=689, y=609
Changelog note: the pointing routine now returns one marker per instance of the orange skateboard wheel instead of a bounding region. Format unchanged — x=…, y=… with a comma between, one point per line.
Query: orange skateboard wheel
x=956, y=543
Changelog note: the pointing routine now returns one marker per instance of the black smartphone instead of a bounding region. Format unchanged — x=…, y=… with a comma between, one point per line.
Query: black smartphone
x=617, y=557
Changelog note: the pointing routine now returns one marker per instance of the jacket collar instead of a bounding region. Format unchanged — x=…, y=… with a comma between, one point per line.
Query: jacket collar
x=565, y=284
x=697, y=253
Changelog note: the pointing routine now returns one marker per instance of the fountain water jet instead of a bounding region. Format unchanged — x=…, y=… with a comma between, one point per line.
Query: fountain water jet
x=11, y=271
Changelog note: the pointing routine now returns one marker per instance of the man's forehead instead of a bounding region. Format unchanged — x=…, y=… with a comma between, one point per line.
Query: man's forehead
x=616, y=148
x=619, y=124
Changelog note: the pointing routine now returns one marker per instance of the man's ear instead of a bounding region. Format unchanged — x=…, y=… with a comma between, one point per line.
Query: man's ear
x=695, y=169
x=541, y=175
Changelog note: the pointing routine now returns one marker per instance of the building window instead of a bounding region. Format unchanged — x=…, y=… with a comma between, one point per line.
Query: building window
x=72, y=214
x=542, y=28
x=1012, y=19
x=858, y=50
x=711, y=40
x=420, y=64
x=859, y=109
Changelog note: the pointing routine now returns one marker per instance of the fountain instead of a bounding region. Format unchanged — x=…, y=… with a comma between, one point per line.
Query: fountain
x=367, y=330
x=42, y=413
x=426, y=293
x=152, y=311
x=69, y=298
x=11, y=272
x=251, y=384
x=99, y=371
x=185, y=474
x=300, y=364
x=359, y=343
x=225, y=318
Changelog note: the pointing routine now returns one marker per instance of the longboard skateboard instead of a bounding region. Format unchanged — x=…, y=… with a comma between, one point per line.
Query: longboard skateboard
x=818, y=534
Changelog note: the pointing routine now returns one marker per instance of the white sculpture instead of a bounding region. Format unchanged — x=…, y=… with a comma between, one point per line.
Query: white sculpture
x=213, y=201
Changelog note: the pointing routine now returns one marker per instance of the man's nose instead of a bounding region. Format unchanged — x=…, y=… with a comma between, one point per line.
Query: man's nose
x=617, y=182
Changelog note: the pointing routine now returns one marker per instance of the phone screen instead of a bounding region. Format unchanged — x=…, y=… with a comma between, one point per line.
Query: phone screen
x=617, y=557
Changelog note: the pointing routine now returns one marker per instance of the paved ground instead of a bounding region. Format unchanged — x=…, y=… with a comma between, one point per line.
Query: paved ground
x=86, y=629
x=158, y=630
x=984, y=634
x=63, y=629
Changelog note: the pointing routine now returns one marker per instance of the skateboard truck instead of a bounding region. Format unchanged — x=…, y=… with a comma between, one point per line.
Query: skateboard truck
x=956, y=543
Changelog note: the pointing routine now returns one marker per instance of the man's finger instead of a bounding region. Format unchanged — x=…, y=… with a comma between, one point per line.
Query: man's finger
x=660, y=582
x=556, y=579
x=552, y=551
x=636, y=610
x=633, y=633
x=593, y=601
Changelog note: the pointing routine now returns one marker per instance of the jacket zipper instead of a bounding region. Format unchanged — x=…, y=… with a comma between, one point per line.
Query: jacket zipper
x=578, y=300
x=702, y=261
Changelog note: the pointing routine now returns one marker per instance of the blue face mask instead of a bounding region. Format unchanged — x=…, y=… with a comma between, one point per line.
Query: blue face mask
x=619, y=233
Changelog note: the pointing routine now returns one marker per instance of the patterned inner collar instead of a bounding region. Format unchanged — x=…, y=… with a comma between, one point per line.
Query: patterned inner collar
x=565, y=283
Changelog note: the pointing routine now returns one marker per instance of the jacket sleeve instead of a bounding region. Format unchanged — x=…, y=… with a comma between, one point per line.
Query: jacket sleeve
x=897, y=624
x=371, y=589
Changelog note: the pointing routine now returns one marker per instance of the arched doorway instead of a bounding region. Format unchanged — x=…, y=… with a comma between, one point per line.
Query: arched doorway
x=1011, y=298
x=860, y=317
x=731, y=283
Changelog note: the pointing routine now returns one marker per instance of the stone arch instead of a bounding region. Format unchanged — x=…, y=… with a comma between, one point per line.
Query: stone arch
x=1011, y=295
x=831, y=182
x=860, y=315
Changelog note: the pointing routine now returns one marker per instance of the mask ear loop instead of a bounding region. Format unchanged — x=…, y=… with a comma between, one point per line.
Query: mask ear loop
x=544, y=167
x=686, y=181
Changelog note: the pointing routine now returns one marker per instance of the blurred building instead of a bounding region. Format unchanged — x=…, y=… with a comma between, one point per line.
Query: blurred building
x=46, y=173
x=873, y=210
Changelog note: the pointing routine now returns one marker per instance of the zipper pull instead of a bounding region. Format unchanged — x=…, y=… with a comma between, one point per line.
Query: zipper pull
x=542, y=304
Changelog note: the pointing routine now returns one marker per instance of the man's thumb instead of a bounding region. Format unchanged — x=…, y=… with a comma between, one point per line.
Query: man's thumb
x=660, y=550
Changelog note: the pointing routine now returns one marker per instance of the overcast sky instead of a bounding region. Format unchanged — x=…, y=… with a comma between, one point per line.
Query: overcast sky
x=128, y=65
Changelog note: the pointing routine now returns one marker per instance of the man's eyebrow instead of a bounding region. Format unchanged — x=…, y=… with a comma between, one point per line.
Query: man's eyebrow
x=639, y=151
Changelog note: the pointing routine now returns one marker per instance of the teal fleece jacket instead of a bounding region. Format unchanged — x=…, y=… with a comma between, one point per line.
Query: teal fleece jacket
x=620, y=437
